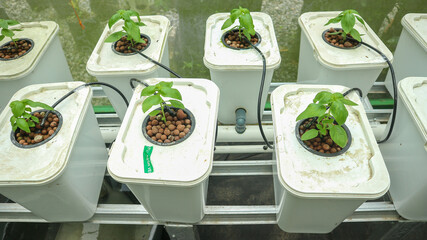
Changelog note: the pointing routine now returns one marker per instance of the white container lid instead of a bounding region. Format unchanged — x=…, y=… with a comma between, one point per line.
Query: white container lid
x=416, y=25
x=413, y=94
x=42, y=164
x=313, y=25
x=218, y=56
x=184, y=164
x=104, y=61
x=42, y=33
x=360, y=172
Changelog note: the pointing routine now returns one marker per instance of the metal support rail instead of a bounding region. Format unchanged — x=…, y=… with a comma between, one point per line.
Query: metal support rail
x=248, y=142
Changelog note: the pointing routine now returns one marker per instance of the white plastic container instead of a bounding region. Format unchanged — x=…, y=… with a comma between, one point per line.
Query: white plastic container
x=238, y=72
x=177, y=189
x=117, y=70
x=314, y=194
x=410, y=57
x=405, y=152
x=60, y=180
x=45, y=63
x=321, y=63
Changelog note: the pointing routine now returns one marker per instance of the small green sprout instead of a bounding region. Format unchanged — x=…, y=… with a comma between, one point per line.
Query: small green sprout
x=328, y=108
x=155, y=94
x=6, y=32
x=246, y=24
x=22, y=117
x=130, y=27
x=347, y=19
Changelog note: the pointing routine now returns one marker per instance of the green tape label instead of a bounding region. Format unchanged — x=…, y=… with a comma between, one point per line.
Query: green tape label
x=148, y=167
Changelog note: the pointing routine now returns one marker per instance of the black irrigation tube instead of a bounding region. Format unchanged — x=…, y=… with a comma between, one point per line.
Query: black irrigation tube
x=80, y=87
x=395, y=95
x=155, y=62
x=261, y=89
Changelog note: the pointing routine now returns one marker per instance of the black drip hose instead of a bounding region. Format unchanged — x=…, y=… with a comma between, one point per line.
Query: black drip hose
x=155, y=62
x=261, y=89
x=395, y=95
x=80, y=87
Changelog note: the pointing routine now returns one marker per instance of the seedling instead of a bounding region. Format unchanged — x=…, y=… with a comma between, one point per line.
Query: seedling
x=331, y=113
x=347, y=19
x=130, y=28
x=155, y=93
x=246, y=24
x=6, y=32
x=22, y=117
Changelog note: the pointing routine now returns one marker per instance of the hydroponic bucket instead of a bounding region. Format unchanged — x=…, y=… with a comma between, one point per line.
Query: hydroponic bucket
x=410, y=57
x=238, y=72
x=45, y=63
x=117, y=70
x=59, y=180
x=321, y=63
x=313, y=193
x=405, y=152
x=176, y=190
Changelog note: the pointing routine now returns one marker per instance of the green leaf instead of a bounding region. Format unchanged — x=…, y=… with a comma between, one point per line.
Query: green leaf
x=177, y=104
x=246, y=33
x=37, y=104
x=151, y=101
x=165, y=84
x=148, y=91
x=246, y=22
x=353, y=11
x=339, y=112
x=312, y=110
x=1, y=37
x=348, y=102
x=323, y=97
x=115, y=36
x=338, y=135
x=18, y=108
x=12, y=119
x=14, y=126
x=12, y=22
x=31, y=124
x=170, y=92
x=322, y=130
x=348, y=22
x=135, y=13
x=116, y=17
x=23, y=125
x=7, y=32
x=141, y=24
x=312, y=133
x=355, y=34
x=154, y=113
x=26, y=115
x=334, y=20
x=35, y=119
x=133, y=31
x=3, y=24
x=235, y=13
x=227, y=24
x=337, y=96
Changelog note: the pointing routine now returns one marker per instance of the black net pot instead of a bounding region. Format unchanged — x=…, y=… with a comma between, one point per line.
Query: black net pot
x=26, y=40
x=345, y=48
x=113, y=46
x=236, y=30
x=189, y=115
x=343, y=150
x=58, y=128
